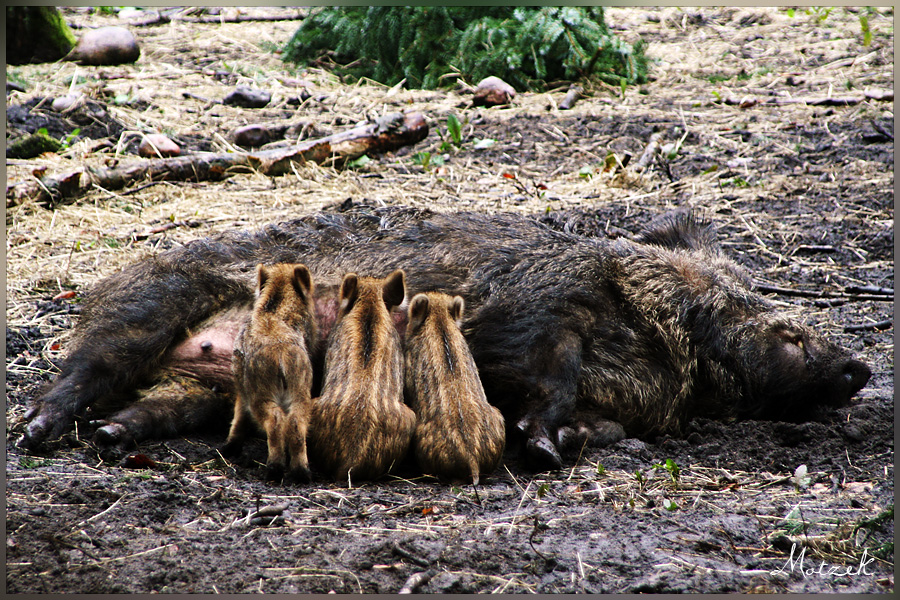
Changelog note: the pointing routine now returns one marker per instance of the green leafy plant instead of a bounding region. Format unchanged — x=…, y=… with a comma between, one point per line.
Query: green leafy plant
x=671, y=467
x=429, y=46
x=454, y=128
x=358, y=163
x=864, y=25
x=669, y=504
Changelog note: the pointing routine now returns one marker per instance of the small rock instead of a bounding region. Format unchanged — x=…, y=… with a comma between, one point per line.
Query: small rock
x=158, y=142
x=130, y=13
x=493, y=91
x=247, y=97
x=106, y=46
x=64, y=103
x=12, y=86
x=250, y=136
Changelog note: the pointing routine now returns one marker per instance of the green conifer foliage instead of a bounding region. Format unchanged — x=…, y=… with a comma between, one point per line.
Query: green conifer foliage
x=526, y=46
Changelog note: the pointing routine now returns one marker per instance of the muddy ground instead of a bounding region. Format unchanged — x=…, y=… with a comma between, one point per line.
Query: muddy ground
x=802, y=195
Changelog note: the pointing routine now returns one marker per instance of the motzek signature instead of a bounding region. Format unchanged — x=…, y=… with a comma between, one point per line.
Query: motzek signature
x=823, y=569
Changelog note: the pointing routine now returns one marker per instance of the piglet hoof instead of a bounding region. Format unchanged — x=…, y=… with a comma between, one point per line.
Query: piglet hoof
x=300, y=474
x=231, y=449
x=542, y=454
x=112, y=434
x=274, y=472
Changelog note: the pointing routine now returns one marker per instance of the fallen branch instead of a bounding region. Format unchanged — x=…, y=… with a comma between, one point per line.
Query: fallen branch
x=879, y=326
x=850, y=293
x=213, y=19
x=385, y=134
x=747, y=102
x=164, y=17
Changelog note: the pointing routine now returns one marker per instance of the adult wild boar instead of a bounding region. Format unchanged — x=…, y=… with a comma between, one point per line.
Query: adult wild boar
x=575, y=338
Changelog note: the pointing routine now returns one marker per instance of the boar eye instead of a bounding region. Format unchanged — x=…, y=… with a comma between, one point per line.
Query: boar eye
x=795, y=339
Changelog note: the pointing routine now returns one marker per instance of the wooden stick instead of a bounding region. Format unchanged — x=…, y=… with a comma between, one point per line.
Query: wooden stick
x=847, y=294
x=383, y=135
x=884, y=95
x=879, y=326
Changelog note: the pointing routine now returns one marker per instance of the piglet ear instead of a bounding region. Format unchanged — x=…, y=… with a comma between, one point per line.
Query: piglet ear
x=418, y=311
x=349, y=292
x=262, y=276
x=302, y=281
x=394, y=289
x=457, y=305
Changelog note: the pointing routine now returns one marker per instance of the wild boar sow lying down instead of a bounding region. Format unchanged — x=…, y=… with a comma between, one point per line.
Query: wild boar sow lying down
x=575, y=339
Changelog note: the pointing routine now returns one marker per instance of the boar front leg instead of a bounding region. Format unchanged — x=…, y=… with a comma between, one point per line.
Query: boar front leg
x=551, y=398
x=174, y=406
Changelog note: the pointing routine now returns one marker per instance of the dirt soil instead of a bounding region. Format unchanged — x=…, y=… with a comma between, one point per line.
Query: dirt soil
x=802, y=195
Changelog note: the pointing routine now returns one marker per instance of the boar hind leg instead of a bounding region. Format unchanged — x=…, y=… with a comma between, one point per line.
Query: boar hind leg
x=588, y=430
x=174, y=406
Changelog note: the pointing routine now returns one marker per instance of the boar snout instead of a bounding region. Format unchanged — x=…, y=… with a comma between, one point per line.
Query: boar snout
x=854, y=376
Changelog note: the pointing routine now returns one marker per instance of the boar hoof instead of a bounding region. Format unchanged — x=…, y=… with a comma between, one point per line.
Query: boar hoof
x=600, y=433
x=112, y=434
x=44, y=427
x=543, y=453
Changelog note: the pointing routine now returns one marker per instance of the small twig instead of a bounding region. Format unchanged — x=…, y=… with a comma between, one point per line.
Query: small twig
x=100, y=514
x=512, y=522
x=403, y=552
x=143, y=187
x=537, y=524
x=649, y=152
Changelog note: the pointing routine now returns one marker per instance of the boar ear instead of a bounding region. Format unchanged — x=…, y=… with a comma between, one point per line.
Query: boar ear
x=680, y=229
x=349, y=291
x=262, y=275
x=418, y=310
x=302, y=281
x=457, y=305
x=394, y=289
